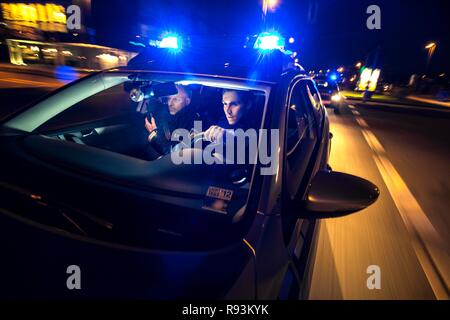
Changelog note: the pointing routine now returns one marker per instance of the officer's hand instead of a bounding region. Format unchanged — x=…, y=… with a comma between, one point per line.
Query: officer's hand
x=151, y=128
x=214, y=134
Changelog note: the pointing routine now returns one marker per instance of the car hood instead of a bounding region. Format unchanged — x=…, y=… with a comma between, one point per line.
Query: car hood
x=37, y=260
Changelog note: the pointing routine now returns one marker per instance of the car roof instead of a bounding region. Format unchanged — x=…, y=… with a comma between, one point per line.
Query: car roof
x=242, y=63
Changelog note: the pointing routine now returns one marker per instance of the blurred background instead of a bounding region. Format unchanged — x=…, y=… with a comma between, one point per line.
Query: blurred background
x=329, y=35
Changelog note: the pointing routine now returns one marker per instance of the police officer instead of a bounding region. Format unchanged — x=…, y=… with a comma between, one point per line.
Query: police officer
x=180, y=114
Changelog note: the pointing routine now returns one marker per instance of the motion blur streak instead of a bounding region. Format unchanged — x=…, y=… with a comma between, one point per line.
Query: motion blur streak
x=426, y=242
x=428, y=245
x=377, y=235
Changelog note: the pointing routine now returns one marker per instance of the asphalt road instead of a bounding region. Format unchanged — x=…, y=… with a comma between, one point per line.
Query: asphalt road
x=405, y=152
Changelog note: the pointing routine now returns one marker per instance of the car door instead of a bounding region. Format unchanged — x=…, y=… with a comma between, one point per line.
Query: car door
x=300, y=144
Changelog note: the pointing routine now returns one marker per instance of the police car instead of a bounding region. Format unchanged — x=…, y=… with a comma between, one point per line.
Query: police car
x=330, y=93
x=81, y=209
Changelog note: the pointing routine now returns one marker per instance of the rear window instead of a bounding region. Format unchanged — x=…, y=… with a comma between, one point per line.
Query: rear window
x=325, y=85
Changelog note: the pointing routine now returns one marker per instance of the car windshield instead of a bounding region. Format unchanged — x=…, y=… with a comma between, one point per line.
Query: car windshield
x=149, y=107
x=161, y=132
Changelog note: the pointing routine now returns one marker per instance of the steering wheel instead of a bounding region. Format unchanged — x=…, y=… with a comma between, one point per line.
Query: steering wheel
x=191, y=144
x=197, y=137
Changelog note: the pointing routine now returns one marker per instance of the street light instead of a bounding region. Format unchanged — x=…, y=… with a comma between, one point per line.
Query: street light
x=268, y=4
x=431, y=47
x=358, y=65
x=272, y=3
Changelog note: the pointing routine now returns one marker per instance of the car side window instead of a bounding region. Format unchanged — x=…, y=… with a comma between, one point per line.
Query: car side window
x=298, y=119
x=314, y=96
x=301, y=136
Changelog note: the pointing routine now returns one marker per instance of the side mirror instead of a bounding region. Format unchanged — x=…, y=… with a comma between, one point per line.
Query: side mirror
x=335, y=194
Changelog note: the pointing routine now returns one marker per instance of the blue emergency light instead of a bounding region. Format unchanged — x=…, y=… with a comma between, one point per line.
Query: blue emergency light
x=267, y=41
x=170, y=42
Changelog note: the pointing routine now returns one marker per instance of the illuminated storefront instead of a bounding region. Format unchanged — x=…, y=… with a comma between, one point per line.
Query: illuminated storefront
x=46, y=17
x=79, y=55
x=37, y=33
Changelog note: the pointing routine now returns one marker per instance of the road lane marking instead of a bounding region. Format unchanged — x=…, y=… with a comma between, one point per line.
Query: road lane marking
x=362, y=122
x=29, y=82
x=23, y=84
x=373, y=142
x=24, y=81
x=426, y=241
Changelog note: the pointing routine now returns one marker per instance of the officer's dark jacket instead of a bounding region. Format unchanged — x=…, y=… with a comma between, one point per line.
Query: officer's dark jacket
x=166, y=125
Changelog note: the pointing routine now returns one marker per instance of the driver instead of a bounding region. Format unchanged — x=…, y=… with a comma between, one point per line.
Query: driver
x=239, y=114
x=236, y=107
x=180, y=114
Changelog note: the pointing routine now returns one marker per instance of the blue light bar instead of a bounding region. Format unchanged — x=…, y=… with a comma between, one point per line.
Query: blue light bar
x=269, y=41
x=170, y=42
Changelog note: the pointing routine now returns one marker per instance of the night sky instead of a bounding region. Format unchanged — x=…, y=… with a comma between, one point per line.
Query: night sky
x=329, y=33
